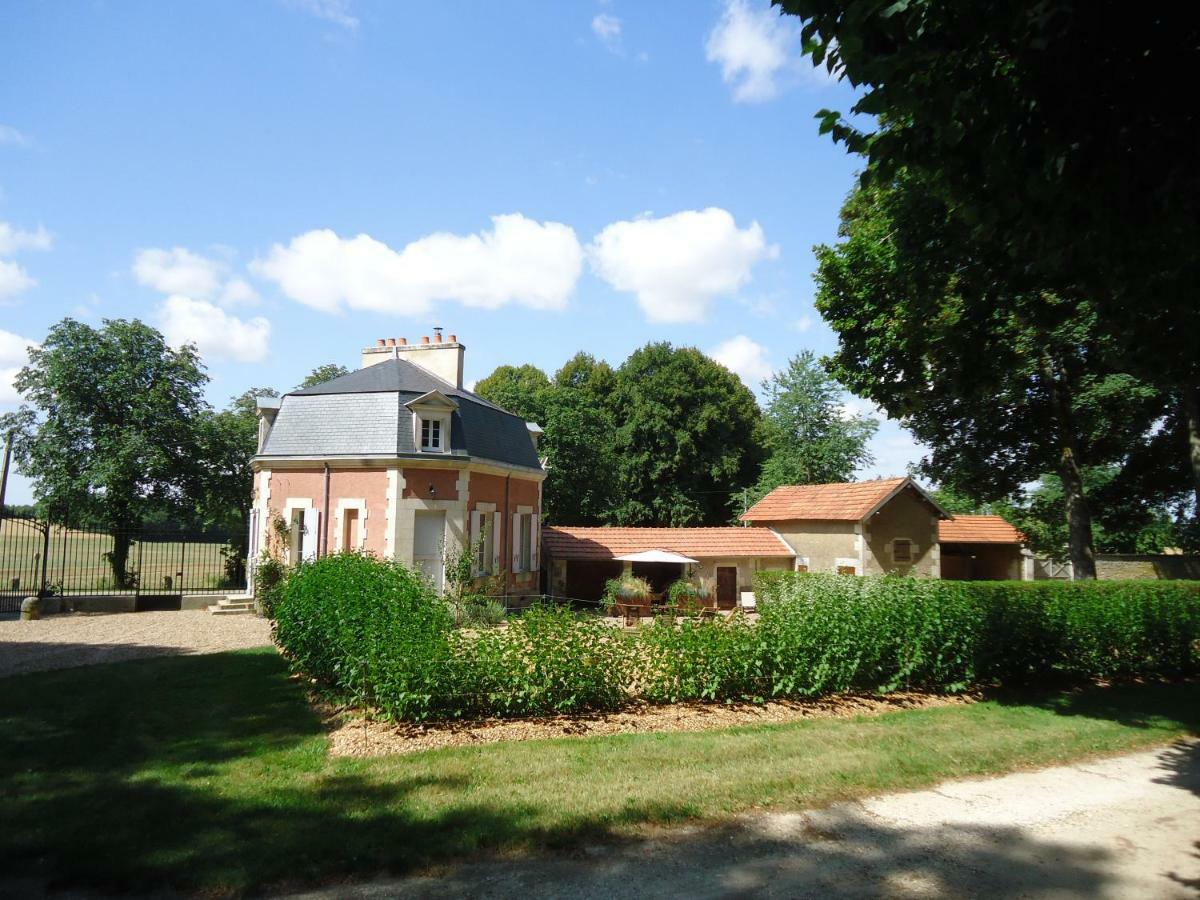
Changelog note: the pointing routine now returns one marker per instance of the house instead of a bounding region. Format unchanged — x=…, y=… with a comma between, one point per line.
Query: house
x=580, y=560
x=400, y=460
x=856, y=528
x=983, y=548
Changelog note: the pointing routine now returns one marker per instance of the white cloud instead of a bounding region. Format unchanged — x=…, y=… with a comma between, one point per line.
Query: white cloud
x=745, y=358
x=213, y=330
x=180, y=271
x=13, y=280
x=238, y=292
x=12, y=137
x=607, y=29
x=758, y=51
x=13, y=356
x=339, y=12
x=679, y=264
x=177, y=271
x=518, y=261
x=803, y=324
x=14, y=240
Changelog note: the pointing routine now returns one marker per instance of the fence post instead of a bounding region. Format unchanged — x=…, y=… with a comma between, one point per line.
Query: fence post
x=137, y=582
x=45, y=557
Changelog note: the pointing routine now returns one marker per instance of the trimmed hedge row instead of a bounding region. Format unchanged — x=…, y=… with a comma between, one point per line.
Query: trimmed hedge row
x=885, y=632
x=375, y=634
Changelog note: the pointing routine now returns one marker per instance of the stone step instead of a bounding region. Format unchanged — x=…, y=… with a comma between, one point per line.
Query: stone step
x=232, y=609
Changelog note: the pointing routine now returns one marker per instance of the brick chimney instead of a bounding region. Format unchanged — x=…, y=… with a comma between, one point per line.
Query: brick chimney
x=443, y=358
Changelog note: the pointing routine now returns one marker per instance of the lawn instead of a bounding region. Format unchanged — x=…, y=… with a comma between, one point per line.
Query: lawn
x=210, y=773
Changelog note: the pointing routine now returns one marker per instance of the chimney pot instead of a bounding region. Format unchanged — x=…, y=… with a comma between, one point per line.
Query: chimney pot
x=380, y=342
x=454, y=338
x=403, y=342
x=425, y=339
x=391, y=342
x=437, y=334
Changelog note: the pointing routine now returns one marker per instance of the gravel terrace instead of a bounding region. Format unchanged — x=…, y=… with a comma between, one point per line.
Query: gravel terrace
x=65, y=641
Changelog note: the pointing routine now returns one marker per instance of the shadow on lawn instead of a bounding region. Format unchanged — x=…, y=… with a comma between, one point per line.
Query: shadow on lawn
x=1136, y=705
x=209, y=773
x=212, y=775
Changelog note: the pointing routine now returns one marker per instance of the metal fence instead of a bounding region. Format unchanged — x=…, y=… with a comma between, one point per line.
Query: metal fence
x=41, y=558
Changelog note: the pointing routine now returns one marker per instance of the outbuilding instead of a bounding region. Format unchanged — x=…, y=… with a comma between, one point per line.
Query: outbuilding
x=581, y=560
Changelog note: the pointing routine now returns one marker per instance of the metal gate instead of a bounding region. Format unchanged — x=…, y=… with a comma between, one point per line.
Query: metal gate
x=155, y=565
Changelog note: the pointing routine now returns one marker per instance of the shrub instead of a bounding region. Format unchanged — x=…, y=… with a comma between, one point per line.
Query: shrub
x=714, y=659
x=548, y=660
x=269, y=575
x=374, y=633
x=370, y=629
x=626, y=589
x=833, y=632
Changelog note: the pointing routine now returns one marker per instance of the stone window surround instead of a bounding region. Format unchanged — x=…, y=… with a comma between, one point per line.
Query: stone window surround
x=343, y=504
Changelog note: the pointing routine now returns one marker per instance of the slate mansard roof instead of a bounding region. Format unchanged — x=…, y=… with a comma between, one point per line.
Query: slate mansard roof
x=364, y=414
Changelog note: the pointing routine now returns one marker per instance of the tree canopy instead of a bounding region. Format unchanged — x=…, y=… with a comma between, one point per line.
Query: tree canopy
x=322, y=374
x=106, y=430
x=1043, y=127
x=810, y=438
x=1003, y=385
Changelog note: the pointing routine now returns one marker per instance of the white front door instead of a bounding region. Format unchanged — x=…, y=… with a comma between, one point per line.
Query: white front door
x=428, y=540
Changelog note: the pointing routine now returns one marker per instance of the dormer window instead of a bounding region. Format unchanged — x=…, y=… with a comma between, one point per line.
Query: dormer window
x=432, y=414
x=431, y=435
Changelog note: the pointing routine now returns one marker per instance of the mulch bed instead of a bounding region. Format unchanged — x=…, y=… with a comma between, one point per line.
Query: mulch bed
x=353, y=734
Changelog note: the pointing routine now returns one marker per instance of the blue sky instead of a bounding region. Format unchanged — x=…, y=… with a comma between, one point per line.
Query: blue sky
x=284, y=181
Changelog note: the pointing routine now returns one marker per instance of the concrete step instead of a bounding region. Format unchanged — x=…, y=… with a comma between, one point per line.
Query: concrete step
x=236, y=601
x=231, y=609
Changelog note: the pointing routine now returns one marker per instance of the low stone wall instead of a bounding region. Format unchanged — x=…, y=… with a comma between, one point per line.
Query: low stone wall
x=1126, y=566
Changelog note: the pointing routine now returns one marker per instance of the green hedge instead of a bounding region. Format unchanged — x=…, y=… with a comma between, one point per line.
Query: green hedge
x=375, y=634
x=832, y=632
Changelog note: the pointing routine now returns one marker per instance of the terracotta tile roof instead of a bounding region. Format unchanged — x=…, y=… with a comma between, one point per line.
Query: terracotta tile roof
x=978, y=530
x=844, y=502
x=605, y=543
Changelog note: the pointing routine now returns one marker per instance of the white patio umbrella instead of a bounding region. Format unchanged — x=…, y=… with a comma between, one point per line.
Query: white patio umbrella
x=663, y=556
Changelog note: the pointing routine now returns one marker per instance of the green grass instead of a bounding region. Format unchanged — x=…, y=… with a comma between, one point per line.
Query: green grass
x=210, y=773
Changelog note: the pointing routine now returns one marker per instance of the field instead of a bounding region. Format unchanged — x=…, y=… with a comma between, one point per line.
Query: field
x=213, y=775
x=77, y=562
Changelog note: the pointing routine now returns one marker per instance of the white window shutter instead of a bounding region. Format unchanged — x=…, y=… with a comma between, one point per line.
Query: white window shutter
x=496, y=543
x=312, y=530
x=476, y=535
x=535, y=542
x=516, y=542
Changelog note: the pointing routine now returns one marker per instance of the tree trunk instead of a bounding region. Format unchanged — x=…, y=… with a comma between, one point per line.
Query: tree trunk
x=1080, y=547
x=118, y=558
x=1079, y=518
x=1191, y=417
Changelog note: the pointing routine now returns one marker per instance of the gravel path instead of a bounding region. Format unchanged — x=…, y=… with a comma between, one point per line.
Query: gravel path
x=1124, y=827
x=64, y=641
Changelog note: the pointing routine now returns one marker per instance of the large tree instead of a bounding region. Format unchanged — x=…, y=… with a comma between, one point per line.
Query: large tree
x=1001, y=383
x=686, y=438
x=579, y=443
x=518, y=389
x=322, y=374
x=221, y=481
x=574, y=412
x=1045, y=127
x=810, y=437
x=106, y=431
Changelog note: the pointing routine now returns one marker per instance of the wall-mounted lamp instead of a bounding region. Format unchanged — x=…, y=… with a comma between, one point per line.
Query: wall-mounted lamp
x=432, y=490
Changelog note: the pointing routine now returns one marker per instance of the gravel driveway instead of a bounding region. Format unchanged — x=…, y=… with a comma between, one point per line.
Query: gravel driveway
x=63, y=641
